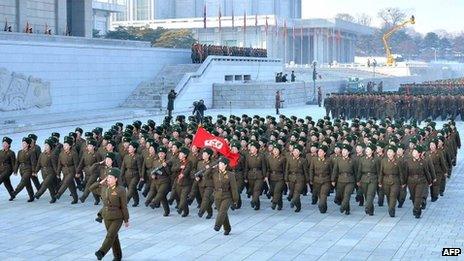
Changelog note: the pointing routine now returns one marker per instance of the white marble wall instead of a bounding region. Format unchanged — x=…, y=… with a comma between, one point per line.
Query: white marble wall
x=85, y=76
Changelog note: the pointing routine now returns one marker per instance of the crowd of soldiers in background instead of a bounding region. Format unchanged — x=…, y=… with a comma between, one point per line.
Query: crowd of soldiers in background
x=431, y=100
x=371, y=85
x=286, y=156
x=201, y=51
x=440, y=87
x=28, y=29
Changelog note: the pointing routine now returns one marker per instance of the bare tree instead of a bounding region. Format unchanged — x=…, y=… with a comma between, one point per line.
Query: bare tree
x=364, y=19
x=345, y=17
x=391, y=16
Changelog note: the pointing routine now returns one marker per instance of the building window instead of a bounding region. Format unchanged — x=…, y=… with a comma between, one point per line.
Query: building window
x=228, y=78
x=247, y=77
x=238, y=77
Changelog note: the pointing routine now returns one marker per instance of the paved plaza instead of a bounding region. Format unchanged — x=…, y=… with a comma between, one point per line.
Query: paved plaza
x=40, y=231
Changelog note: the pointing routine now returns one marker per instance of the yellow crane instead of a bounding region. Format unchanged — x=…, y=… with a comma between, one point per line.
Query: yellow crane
x=387, y=35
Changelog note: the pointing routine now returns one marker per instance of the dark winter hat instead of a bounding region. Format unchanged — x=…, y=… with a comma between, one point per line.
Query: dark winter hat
x=7, y=140
x=115, y=172
x=185, y=151
x=110, y=155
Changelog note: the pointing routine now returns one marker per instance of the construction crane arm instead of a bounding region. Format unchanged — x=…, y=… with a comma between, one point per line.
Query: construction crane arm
x=387, y=35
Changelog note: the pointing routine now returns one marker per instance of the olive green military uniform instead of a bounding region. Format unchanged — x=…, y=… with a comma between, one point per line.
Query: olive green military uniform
x=206, y=188
x=320, y=170
x=162, y=181
x=148, y=165
x=239, y=177
x=45, y=165
x=90, y=174
x=417, y=178
x=7, y=164
x=255, y=169
x=296, y=175
x=131, y=172
x=344, y=174
x=35, y=179
x=67, y=163
x=225, y=192
x=114, y=213
x=276, y=177
x=439, y=164
x=25, y=163
x=391, y=178
x=403, y=190
x=183, y=182
x=367, y=174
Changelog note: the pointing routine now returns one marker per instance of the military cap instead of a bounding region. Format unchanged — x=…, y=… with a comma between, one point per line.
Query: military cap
x=107, y=136
x=32, y=136
x=130, y=127
x=255, y=144
x=134, y=144
x=347, y=147
x=68, y=140
x=56, y=134
x=115, y=172
x=49, y=142
x=185, y=151
x=324, y=148
x=372, y=147
x=151, y=141
x=112, y=142
x=208, y=150
x=277, y=146
x=88, y=134
x=391, y=147
x=92, y=142
x=162, y=149
x=400, y=146
x=236, y=145
x=339, y=145
x=79, y=130
x=298, y=147
x=110, y=155
x=315, y=144
x=27, y=140
x=413, y=140
x=419, y=148
x=126, y=139
x=178, y=144
x=224, y=160
x=7, y=140
x=137, y=124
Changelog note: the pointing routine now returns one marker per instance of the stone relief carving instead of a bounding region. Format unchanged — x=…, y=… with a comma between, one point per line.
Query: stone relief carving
x=20, y=92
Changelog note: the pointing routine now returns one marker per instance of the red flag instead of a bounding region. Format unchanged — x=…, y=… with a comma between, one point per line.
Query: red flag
x=205, y=139
x=204, y=17
x=220, y=18
x=267, y=25
x=244, y=20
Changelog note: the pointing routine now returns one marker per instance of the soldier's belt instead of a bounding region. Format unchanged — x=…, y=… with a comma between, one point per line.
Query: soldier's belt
x=296, y=173
x=222, y=190
x=255, y=169
x=369, y=173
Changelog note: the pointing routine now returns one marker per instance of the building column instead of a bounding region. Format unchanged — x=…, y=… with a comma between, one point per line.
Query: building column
x=61, y=17
x=21, y=15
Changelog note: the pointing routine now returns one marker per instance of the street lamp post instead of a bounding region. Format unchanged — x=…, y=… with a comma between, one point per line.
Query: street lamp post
x=314, y=81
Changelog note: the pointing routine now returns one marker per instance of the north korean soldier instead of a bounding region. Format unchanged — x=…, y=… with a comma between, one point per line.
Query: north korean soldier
x=276, y=165
x=238, y=170
x=391, y=178
x=344, y=177
x=367, y=177
x=400, y=150
x=7, y=164
x=67, y=163
x=194, y=157
x=131, y=171
x=183, y=180
x=255, y=169
x=225, y=194
x=25, y=163
x=417, y=178
x=314, y=147
x=436, y=156
x=102, y=169
x=110, y=147
x=205, y=184
x=85, y=167
x=320, y=170
x=37, y=150
x=46, y=167
x=357, y=155
x=161, y=179
x=296, y=175
x=80, y=143
x=173, y=157
x=114, y=212
x=148, y=165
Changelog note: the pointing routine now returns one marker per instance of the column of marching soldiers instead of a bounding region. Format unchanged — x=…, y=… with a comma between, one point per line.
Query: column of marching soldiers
x=441, y=99
x=280, y=159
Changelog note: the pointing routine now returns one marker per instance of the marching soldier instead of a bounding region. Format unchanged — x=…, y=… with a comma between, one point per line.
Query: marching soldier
x=7, y=164
x=205, y=185
x=68, y=161
x=367, y=177
x=276, y=165
x=417, y=178
x=131, y=172
x=161, y=180
x=255, y=169
x=343, y=178
x=183, y=181
x=296, y=175
x=114, y=212
x=45, y=165
x=85, y=167
x=225, y=194
x=391, y=178
x=25, y=163
x=320, y=171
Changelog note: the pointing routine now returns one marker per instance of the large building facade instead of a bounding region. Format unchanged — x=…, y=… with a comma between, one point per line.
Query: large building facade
x=78, y=17
x=272, y=24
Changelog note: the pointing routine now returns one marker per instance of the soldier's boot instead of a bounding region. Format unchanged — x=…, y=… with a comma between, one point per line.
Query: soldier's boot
x=201, y=213
x=239, y=203
x=252, y=204
x=305, y=191
x=12, y=195
x=424, y=203
x=313, y=199
x=99, y=254
x=75, y=199
x=279, y=205
x=257, y=205
x=347, y=210
x=391, y=212
x=227, y=232
x=273, y=206
x=186, y=212
x=361, y=200
x=140, y=185
x=217, y=228
x=146, y=190
x=298, y=207
x=53, y=200
x=210, y=214
x=322, y=208
x=99, y=218
x=400, y=203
